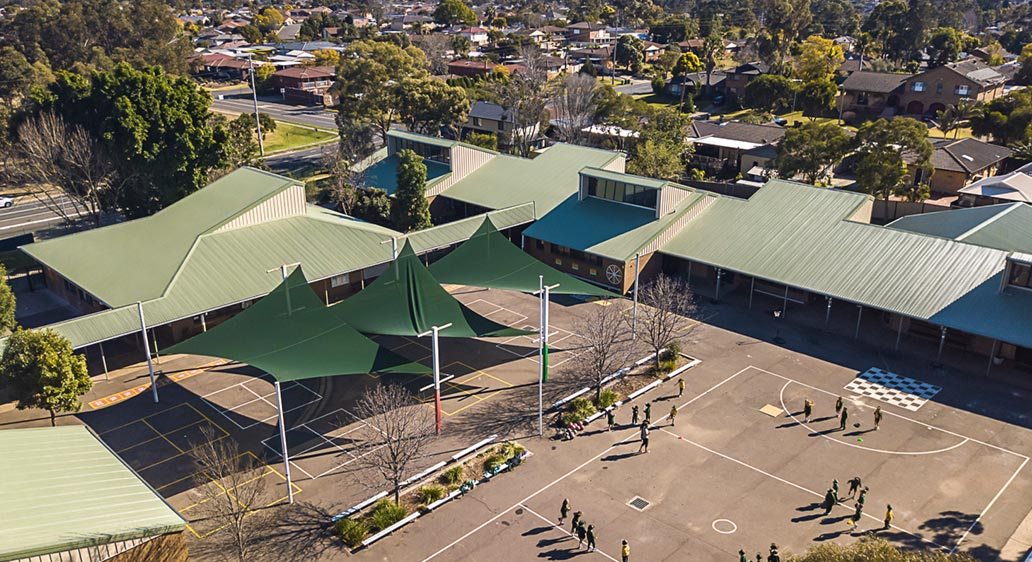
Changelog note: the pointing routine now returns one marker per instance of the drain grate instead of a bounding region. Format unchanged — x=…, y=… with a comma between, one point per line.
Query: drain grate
x=638, y=503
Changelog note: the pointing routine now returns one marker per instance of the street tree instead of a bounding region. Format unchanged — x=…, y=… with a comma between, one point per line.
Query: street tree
x=369, y=84
x=233, y=492
x=665, y=317
x=430, y=106
x=157, y=127
x=817, y=97
x=811, y=150
x=524, y=96
x=7, y=304
x=819, y=59
x=1006, y=119
x=770, y=92
x=43, y=371
x=605, y=344
x=630, y=52
x=397, y=431
x=54, y=158
x=889, y=153
x=411, y=210
x=687, y=64
x=454, y=12
x=575, y=102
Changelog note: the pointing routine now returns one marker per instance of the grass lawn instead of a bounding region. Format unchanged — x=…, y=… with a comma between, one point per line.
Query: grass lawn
x=289, y=137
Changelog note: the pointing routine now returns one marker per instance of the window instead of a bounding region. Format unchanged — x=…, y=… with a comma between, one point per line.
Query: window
x=476, y=121
x=1020, y=275
x=622, y=192
x=558, y=261
x=962, y=90
x=339, y=281
x=574, y=266
x=938, y=88
x=540, y=244
x=919, y=86
x=861, y=98
x=593, y=272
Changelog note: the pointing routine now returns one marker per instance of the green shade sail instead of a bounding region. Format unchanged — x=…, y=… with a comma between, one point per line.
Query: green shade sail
x=489, y=259
x=407, y=301
x=292, y=335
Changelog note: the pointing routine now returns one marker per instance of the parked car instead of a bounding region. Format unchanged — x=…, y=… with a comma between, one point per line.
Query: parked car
x=6, y=202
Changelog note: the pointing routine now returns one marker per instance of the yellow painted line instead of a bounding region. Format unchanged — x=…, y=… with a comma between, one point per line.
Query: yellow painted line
x=137, y=390
x=145, y=441
x=137, y=420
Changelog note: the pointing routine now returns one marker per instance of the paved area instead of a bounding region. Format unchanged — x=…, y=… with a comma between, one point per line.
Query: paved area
x=240, y=102
x=30, y=215
x=728, y=475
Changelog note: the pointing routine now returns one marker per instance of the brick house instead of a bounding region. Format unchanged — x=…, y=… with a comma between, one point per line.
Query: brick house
x=737, y=78
x=584, y=32
x=958, y=162
x=305, y=84
x=465, y=67
x=934, y=90
x=872, y=93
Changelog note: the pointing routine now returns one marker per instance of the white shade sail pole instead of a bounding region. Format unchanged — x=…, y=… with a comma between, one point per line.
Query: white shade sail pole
x=283, y=442
x=146, y=349
x=435, y=350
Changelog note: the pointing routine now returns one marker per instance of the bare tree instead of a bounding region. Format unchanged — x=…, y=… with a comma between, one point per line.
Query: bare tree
x=663, y=319
x=607, y=345
x=436, y=46
x=51, y=153
x=395, y=435
x=575, y=102
x=524, y=97
x=233, y=490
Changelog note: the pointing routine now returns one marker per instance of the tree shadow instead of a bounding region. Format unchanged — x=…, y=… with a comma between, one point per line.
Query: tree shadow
x=949, y=526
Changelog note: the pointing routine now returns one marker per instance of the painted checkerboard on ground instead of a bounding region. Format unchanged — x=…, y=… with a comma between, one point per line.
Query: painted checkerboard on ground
x=904, y=392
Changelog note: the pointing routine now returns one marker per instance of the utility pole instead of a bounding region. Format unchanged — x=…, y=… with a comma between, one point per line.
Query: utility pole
x=254, y=96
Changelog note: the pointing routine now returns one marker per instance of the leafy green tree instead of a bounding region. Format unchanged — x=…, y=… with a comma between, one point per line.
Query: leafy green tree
x=660, y=151
x=887, y=152
x=588, y=68
x=268, y=20
x=673, y=28
x=811, y=149
x=783, y=23
x=159, y=127
x=1006, y=119
x=656, y=160
x=817, y=97
x=1024, y=75
x=870, y=549
x=373, y=205
x=946, y=43
x=891, y=26
x=630, y=52
x=712, y=48
x=770, y=92
x=371, y=81
x=43, y=371
x=819, y=59
x=241, y=142
x=687, y=64
x=454, y=12
x=483, y=140
x=411, y=210
x=427, y=106
x=834, y=18
x=7, y=303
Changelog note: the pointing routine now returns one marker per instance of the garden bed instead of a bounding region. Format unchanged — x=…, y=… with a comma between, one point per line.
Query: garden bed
x=360, y=527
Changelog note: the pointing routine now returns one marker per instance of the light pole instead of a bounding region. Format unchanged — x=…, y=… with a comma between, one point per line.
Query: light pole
x=434, y=330
x=254, y=96
x=543, y=294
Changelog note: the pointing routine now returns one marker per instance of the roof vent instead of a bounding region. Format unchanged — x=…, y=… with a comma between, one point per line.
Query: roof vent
x=966, y=157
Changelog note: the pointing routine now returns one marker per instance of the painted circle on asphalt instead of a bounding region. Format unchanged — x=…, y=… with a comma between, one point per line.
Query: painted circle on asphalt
x=724, y=526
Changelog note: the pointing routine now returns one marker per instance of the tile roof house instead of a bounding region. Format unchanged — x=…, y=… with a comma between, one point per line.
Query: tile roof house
x=933, y=90
x=721, y=144
x=958, y=162
x=872, y=93
x=305, y=84
x=739, y=77
x=1012, y=186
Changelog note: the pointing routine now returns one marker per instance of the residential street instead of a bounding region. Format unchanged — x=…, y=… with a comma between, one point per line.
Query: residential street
x=286, y=161
x=239, y=101
x=29, y=215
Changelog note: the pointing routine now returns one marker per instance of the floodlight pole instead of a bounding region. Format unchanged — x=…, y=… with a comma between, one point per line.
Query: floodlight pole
x=283, y=442
x=254, y=96
x=146, y=349
x=437, y=370
x=543, y=295
x=634, y=310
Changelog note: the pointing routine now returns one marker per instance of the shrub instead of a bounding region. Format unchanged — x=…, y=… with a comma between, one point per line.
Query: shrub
x=580, y=409
x=452, y=477
x=607, y=399
x=386, y=513
x=352, y=531
x=510, y=450
x=430, y=493
x=672, y=352
x=494, y=461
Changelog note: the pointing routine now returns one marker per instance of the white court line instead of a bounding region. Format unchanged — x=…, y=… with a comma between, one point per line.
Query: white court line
x=564, y=531
x=782, y=480
x=955, y=434
x=781, y=397
x=991, y=502
x=632, y=433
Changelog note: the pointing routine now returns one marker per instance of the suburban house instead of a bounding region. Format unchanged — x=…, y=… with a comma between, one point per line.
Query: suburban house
x=696, y=82
x=721, y=144
x=653, y=51
x=933, y=90
x=305, y=84
x=491, y=118
x=1005, y=188
x=871, y=93
x=476, y=35
x=958, y=162
x=81, y=502
x=600, y=57
x=222, y=67
x=737, y=78
x=466, y=67
x=590, y=33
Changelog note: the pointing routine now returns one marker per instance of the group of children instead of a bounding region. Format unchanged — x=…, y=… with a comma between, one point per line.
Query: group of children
x=841, y=411
x=831, y=498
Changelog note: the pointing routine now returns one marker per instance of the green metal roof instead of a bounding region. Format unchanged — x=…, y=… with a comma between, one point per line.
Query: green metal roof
x=625, y=178
x=384, y=173
x=423, y=139
x=1004, y=227
x=547, y=180
x=800, y=235
x=605, y=228
x=64, y=489
x=135, y=260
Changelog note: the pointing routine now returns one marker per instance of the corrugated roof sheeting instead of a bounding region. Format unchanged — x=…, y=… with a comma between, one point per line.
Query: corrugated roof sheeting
x=547, y=180
x=947, y=224
x=66, y=490
x=1004, y=227
x=795, y=234
x=450, y=233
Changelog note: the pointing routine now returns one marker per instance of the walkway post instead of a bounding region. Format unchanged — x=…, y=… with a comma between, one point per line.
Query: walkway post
x=435, y=350
x=543, y=295
x=204, y=323
x=942, y=342
x=716, y=296
x=992, y=357
x=146, y=349
x=254, y=96
x=283, y=442
x=784, y=305
x=859, y=316
x=634, y=311
x=827, y=312
x=752, y=287
x=899, y=332
x=103, y=361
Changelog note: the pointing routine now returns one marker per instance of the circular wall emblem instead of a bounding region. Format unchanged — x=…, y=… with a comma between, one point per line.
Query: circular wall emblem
x=614, y=273
x=724, y=526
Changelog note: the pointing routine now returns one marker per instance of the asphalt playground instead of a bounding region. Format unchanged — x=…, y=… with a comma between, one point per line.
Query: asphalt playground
x=740, y=469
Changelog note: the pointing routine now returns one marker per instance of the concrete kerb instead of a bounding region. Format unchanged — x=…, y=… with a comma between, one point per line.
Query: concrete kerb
x=646, y=388
x=605, y=381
